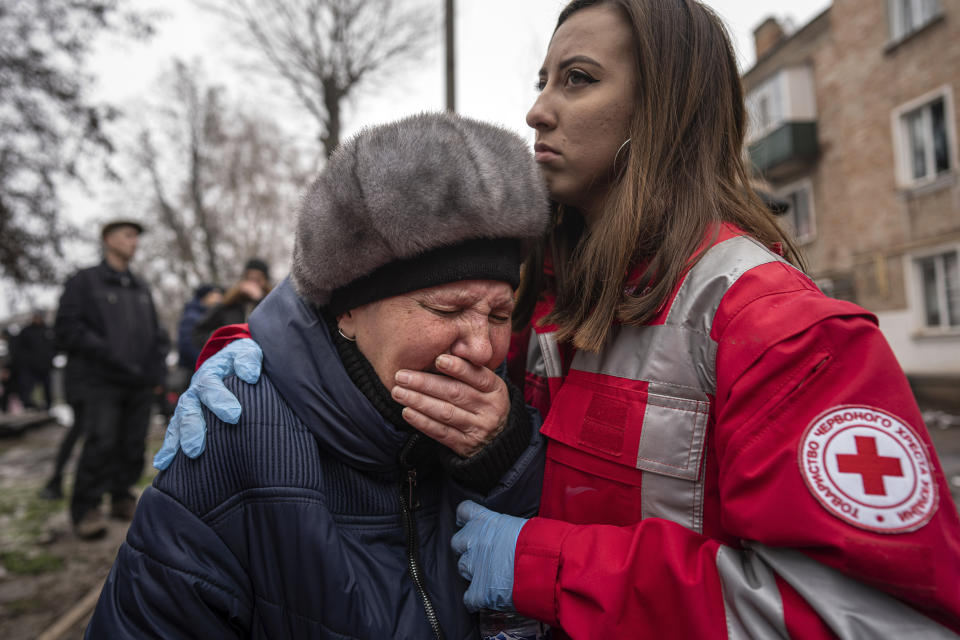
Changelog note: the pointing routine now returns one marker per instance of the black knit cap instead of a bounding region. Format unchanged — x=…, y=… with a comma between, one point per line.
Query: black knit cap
x=483, y=259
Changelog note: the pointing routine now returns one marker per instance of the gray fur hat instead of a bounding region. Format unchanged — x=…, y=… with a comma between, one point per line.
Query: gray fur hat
x=428, y=199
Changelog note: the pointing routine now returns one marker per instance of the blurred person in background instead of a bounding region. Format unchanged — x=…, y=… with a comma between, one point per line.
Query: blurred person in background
x=205, y=297
x=238, y=302
x=73, y=389
x=107, y=325
x=7, y=378
x=33, y=352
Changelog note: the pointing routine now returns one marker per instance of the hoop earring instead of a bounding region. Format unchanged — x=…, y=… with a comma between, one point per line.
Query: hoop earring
x=345, y=336
x=616, y=157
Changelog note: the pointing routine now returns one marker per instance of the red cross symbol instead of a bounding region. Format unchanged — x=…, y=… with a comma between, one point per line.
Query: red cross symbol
x=871, y=467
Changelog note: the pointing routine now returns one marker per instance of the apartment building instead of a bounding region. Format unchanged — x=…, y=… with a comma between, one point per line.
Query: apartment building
x=854, y=123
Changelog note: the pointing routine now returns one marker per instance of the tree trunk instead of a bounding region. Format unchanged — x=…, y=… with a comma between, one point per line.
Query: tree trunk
x=332, y=99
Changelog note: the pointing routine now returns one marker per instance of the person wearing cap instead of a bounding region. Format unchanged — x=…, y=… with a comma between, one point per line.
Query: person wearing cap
x=107, y=325
x=324, y=513
x=238, y=302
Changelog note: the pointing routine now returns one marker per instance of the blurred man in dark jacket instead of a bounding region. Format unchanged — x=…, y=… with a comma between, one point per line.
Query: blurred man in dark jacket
x=8, y=379
x=108, y=326
x=32, y=352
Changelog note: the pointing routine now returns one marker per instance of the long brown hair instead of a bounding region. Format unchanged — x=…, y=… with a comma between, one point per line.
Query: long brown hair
x=682, y=171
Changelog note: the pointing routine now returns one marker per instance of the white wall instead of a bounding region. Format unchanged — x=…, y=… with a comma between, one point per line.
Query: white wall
x=801, y=98
x=926, y=354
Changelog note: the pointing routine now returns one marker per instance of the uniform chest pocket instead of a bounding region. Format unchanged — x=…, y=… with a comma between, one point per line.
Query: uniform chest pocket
x=653, y=427
x=628, y=450
x=674, y=432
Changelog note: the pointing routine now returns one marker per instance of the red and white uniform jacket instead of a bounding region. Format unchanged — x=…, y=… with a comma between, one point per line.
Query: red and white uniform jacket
x=751, y=464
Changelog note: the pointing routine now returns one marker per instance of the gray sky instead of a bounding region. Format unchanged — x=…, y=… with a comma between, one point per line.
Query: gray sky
x=500, y=46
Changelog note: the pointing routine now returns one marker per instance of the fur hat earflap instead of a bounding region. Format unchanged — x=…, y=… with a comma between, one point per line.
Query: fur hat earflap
x=415, y=188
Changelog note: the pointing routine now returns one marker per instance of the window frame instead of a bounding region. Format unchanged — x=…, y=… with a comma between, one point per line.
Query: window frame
x=917, y=299
x=784, y=192
x=765, y=108
x=901, y=138
x=897, y=31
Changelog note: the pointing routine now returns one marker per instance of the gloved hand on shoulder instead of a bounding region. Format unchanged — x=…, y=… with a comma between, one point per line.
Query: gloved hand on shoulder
x=486, y=545
x=187, y=429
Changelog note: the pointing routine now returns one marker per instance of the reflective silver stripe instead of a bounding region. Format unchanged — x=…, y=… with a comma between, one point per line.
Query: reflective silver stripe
x=678, y=361
x=651, y=353
x=708, y=281
x=670, y=455
x=751, y=599
x=851, y=609
x=535, y=363
x=543, y=356
x=551, y=354
x=669, y=421
x=655, y=353
x=696, y=304
x=673, y=499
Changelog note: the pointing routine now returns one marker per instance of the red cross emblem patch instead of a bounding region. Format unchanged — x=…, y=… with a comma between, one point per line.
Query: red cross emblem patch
x=869, y=468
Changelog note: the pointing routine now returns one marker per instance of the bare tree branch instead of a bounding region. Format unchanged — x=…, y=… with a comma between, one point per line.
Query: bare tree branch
x=326, y=49
x=224, y=187
x=50, y=131
x=169, y=215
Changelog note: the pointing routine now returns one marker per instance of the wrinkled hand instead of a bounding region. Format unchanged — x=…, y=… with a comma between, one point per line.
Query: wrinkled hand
x=486, y=545
x=187, y=428
x=463, y=410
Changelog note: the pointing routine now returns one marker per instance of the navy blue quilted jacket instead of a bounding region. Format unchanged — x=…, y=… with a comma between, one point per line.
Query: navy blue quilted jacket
x=289, y=525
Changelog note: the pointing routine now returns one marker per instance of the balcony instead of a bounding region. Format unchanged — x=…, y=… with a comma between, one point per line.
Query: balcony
x=789, y=148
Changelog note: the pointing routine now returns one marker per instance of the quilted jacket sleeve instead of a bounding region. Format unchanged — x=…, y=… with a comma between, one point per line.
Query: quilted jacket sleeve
x=173, y=578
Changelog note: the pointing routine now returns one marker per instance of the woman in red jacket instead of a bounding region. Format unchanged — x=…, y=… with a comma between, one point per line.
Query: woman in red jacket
x=731, y=454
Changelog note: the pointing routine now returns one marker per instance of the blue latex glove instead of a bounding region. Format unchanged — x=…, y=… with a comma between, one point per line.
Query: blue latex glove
x=486, y=545
x=187, y=429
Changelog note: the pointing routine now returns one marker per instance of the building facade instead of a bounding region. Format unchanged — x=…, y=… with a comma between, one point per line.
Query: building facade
x=854, y=122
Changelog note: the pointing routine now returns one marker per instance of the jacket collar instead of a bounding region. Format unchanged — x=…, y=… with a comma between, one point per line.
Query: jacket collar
x=302, y=363
x=122, y=278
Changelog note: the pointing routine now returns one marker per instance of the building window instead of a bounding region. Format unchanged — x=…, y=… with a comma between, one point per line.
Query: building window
x=924, y=139
x=926, y=131
x=765, y=107
x=907, y=16
x=764, y=119
x=786, y=96
x=940, y=288
x=799, y=216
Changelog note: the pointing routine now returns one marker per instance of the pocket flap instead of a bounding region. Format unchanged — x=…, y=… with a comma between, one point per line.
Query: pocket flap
x=645, y=426
x=673, y=434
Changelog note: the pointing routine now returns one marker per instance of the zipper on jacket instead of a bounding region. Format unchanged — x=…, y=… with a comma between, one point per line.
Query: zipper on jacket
x=409, y=502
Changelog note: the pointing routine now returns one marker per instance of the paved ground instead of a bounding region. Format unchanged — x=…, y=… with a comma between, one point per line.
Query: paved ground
x=45, y=570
